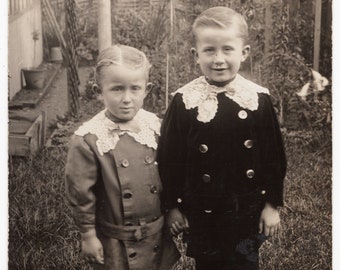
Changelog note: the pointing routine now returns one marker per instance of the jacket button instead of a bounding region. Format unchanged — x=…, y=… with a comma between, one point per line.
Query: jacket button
x=203, y=148
x=208, y=211
x=206, y=178
x=125, y=163
x=133, y=254
x=242, y=114
x=153, y=189
x=250, y=173
x=156, y=163
x=156, y=248
x=263, y=192
x=148, y=160
x=127, y=195
x=179, y=200
x=248, y=143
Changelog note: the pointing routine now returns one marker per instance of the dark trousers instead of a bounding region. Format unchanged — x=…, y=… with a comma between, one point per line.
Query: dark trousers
x=226, y=265
x=244, y=256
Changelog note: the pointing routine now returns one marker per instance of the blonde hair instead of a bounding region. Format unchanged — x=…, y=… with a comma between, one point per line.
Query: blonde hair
x=122, y=55
x=221, y=17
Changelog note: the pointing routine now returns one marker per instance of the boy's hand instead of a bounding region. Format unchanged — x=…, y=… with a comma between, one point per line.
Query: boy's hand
x=176, y=221
x=91, y=247
x=269, y=220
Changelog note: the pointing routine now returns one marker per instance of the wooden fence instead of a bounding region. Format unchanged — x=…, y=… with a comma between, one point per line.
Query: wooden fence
x=17, y=7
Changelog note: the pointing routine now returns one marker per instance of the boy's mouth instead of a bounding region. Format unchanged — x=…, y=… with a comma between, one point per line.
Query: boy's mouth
x=219, y=69
x=126, y=108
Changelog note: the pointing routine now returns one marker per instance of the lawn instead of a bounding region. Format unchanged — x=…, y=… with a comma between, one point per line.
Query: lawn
x=42, y=234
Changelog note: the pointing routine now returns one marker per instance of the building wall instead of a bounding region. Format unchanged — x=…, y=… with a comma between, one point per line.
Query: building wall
x=24, y=18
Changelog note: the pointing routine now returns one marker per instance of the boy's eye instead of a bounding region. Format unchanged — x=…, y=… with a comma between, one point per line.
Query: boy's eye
x=208, y=49
x=136, y=87
x=227, y=49
x=117, y=88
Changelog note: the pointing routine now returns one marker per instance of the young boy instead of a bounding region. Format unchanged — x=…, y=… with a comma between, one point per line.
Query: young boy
x=112, y=179
x=221, y=156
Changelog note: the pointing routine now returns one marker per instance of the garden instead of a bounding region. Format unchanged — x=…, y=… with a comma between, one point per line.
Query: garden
x=42, y=233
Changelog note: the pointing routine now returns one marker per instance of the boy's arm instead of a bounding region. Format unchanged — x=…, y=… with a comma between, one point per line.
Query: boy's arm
x=81, y=176
x=273, y=156
x=172, y=149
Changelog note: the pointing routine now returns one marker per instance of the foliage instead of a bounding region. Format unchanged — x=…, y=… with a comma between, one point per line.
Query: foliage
x=87, y=49
x=147, y=31
x=285, y=71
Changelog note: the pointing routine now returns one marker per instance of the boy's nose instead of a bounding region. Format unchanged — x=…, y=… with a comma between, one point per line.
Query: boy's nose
x=126, y=96
x=219, y=58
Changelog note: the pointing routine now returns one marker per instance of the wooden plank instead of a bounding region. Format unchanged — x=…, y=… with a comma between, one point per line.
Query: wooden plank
x=19, y=145
x=30, y=142
x=317, y=33
x=35, y=137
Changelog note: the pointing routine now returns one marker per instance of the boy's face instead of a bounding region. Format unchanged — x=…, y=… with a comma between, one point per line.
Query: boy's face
x=123, y=90
x=219, y=52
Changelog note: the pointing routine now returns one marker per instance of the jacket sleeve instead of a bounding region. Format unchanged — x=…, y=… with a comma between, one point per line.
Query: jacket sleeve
x=81, y=176
x=172, y=152
x=272, y=152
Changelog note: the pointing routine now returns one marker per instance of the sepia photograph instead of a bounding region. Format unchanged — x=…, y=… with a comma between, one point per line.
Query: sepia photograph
x=168, y=135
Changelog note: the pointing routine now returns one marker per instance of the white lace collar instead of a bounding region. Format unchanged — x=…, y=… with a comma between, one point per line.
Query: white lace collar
x=199, y=93
x=143, y=128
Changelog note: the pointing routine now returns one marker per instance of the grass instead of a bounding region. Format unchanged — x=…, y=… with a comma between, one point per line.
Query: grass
x=42, y=234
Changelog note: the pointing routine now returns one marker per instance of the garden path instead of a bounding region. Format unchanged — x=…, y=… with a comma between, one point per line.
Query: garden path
x=55, y=102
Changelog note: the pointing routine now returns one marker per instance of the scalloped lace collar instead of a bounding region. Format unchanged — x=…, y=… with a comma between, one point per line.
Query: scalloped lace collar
x=143, y=128
x=199, y=93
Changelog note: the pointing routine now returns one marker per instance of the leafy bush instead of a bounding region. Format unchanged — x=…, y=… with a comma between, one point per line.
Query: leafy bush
x=285, y=71
x=88, y=48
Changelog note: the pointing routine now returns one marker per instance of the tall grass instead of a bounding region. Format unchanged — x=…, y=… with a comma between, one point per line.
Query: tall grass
x=42, y=234
x=305, y=241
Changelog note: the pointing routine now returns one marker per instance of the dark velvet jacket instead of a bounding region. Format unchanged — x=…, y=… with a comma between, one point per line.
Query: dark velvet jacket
x=204, y=166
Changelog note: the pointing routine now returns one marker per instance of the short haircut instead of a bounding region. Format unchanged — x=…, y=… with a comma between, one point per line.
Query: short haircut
x=122, y=55
x=221, y=17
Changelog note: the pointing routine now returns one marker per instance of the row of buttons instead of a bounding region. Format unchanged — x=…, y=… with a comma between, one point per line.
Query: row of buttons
x=128, y=195
x=207, y=178
x=203, y=148
x=156, y=249
x=148, y=160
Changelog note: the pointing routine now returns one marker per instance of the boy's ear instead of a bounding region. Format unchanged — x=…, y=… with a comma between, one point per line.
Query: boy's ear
x=148, y=88
x=245, y=52
x=194, y=54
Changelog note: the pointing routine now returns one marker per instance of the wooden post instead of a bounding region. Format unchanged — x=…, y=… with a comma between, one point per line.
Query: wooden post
x=104, y=24
x=268, y=28
x=168, y=56
x=317, y=32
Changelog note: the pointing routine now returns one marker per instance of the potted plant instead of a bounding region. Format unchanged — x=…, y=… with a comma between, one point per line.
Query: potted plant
x=34, y=76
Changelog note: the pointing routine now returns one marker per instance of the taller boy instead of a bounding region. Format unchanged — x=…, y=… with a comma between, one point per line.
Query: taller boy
x=221, y=156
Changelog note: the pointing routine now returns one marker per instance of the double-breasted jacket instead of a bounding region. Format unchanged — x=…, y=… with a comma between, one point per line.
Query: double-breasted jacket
x=221, y=156
x=113, y=185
